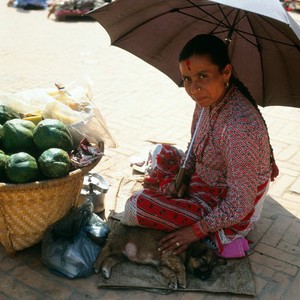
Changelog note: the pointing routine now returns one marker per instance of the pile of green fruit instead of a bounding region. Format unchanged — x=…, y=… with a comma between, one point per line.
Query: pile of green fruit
x=30, y=151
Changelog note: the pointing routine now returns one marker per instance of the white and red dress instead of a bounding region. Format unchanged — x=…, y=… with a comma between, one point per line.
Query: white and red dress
x=230, y=171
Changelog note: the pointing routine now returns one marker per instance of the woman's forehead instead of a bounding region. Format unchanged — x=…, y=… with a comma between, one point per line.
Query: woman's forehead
x=196, y=58
x=197, y=62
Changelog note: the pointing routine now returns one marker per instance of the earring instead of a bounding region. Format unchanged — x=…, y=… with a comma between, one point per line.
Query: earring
x=227, y=84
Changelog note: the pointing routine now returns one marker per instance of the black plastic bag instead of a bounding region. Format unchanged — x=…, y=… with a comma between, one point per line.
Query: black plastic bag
x=67, y=249
x=71, y=224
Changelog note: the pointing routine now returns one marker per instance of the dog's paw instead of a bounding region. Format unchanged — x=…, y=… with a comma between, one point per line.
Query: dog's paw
x=96, y=270
x=105, y=273
x=182, y=285
x=182, y=281
x=173, y=284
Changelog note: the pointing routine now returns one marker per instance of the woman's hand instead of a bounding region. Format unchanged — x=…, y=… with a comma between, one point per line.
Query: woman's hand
x=173, y=192
x=178, y=241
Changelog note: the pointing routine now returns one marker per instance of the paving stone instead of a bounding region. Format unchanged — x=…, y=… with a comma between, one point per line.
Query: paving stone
x=278, y=254
x=292, y=235
x=260, y=284
x=38, y=282
x=291, y=248
x=275, y=288
x=291, y=207
x=288, y=153
x=273, y=263
x=295, y=188
x=291, y=196
x=277, y=230
x=282, y=183
x=12, y=289
x=288, y=171
x=294, y=290
x=261, y=228
x=262, y=271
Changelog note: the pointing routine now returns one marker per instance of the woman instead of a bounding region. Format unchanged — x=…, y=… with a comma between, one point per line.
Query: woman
x=229, y=168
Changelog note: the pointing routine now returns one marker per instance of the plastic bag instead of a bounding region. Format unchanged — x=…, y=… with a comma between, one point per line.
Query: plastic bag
x=67, y=249
x=30, y=3
x=71, y=104
x=27, y=102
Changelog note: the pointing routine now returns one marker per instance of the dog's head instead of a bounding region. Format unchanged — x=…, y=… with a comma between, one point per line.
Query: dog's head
x=201, y=259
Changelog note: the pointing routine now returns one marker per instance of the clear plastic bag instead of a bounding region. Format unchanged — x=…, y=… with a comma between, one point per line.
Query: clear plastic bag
x=67, y=249
x=72, y=104
x=29, y=102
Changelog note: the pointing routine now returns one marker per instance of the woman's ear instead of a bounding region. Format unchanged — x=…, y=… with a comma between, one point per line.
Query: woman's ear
x=227, y=72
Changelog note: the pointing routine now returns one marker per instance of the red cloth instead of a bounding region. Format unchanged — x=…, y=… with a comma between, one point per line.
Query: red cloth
x=151, y=208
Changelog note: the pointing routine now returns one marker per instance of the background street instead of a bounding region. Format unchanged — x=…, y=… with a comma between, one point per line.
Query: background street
x=139, y=105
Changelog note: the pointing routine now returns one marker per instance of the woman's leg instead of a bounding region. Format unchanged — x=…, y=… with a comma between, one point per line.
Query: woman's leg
x=150, y=208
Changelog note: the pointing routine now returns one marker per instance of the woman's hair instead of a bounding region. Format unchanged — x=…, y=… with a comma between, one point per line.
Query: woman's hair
x=217, y=50
x=206, y=44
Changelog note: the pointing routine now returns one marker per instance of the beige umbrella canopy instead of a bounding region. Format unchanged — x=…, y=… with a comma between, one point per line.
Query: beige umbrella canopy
x=263, y=39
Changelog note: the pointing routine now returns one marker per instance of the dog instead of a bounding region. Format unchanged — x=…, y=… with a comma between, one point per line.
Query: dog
x=140, y=245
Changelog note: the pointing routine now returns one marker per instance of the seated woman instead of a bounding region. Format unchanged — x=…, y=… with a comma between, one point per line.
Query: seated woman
x=229, y=168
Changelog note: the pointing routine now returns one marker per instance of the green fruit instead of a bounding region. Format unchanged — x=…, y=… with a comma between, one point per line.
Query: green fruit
x=17, y=136
x=52, y=133
x=3, y=164
x=7, y=113
x=54, y=163
x=21, y=167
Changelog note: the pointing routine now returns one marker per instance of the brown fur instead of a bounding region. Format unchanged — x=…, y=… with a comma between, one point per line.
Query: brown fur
x=139, y=245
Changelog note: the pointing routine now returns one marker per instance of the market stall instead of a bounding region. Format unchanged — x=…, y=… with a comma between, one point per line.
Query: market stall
x=63, y=9
x=291, y=5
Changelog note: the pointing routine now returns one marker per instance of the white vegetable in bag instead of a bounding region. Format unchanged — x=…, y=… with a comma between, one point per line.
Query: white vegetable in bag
x=26, y=102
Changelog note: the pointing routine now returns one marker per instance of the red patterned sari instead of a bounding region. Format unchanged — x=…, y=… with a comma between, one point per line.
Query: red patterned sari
x=151, y=208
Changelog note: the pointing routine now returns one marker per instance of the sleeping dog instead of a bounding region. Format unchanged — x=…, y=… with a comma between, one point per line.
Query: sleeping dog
x=139, y=245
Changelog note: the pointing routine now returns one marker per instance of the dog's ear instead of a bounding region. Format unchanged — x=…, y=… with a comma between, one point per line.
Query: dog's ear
x=197, y=248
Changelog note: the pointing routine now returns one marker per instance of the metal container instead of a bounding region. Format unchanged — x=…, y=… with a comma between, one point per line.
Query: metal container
x=94, y=188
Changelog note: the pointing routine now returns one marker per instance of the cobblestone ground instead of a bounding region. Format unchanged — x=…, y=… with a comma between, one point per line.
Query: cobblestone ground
x=139, y=104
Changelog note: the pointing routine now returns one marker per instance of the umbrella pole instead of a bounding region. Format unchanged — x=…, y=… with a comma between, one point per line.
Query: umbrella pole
x=181, y=173
x=231, y=30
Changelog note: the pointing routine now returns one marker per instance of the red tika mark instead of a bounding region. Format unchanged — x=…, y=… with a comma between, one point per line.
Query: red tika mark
x=188, y=64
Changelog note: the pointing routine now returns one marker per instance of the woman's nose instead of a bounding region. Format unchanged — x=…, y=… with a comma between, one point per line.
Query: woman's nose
x=195, y=88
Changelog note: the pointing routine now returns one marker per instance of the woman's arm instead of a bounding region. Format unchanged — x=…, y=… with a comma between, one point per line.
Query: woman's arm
x=243, y=153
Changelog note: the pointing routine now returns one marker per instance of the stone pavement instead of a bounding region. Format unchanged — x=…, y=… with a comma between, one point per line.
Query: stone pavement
x=139, y=104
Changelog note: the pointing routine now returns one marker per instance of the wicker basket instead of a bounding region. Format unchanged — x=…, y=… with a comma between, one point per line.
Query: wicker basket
x=26, y=210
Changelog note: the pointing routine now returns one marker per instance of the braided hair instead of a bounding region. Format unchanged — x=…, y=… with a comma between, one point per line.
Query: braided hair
x=207, y=44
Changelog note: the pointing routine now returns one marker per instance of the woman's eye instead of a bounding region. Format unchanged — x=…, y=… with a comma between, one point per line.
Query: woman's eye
x=186, y=79
x=202, y=76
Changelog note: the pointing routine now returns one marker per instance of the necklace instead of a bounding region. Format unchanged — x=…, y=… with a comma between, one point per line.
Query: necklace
x=212, y=119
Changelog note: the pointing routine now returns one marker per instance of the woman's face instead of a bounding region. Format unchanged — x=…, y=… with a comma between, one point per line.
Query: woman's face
x=203, y=81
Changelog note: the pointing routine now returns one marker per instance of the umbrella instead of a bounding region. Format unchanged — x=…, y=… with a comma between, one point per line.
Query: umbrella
x=263, y=39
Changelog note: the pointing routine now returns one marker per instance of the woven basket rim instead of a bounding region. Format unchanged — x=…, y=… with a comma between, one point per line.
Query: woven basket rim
x=48, y=182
